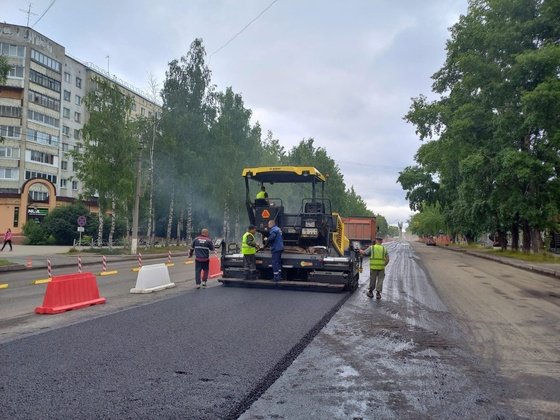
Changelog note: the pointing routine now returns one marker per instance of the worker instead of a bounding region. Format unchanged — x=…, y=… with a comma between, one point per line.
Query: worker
x=201, y=247
x=262, y=194
x=379, y=258
x=276, y=244
x=249, y=249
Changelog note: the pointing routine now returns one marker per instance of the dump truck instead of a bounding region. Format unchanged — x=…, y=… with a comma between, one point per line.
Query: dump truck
x=317, y=254
x=360, y=230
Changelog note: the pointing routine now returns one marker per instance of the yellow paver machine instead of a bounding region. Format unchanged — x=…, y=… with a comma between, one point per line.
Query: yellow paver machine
x=316, y=253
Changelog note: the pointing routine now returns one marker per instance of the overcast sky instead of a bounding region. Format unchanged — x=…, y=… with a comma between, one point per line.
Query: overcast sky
x=341, y=72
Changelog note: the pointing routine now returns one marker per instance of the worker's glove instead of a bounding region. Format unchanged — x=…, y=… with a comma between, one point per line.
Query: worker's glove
x=265, y=239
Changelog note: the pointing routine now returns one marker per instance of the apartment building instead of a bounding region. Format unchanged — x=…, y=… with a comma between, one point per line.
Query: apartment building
x=42, y=113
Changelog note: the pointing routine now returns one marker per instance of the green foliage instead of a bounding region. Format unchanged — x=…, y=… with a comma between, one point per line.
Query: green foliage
x=492, y=158
x=382, y=225
x=201, y=143
x=106, y=165
x=61, y=223
x=35, y=233
x=429, y=222
x=5, y=68
x=393, y=231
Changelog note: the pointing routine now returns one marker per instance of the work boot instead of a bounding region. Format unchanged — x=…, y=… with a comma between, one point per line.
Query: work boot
x=378, y=295
x=369, y=294
x=198, y=286
x=203, y=284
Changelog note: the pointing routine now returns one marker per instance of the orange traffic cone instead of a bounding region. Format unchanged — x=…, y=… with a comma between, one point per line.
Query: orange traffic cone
x=29, y=263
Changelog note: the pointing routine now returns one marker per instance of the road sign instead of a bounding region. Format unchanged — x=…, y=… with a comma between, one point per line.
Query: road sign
x=80, y=228
x=82, y=221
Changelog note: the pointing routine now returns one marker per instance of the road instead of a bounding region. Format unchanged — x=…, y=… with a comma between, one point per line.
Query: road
x=454, y=336
x=511, y=319
x=17, y=303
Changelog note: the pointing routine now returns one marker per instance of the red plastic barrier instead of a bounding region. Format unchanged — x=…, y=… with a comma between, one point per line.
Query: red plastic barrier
x=70, y=291
x=214, y=269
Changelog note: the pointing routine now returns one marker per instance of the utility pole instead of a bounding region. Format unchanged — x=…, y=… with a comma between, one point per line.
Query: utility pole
x=135, y=213
x=28, y=12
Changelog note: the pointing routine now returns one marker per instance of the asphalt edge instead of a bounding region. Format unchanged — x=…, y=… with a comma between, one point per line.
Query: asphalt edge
x=260, y=388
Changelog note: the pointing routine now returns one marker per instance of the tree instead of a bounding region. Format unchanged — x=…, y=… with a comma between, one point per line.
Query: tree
x=5, y=68
x=106, y=167
x=188, y=111
x=493, y=153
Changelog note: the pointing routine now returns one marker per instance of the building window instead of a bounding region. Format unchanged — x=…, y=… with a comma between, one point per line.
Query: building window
x=66, y=112
x=9, y=173
x=44, y=81
x=142, y=111
x=41, y=157
x=43, y=100
x=10, y=111
x=42, y=118
x=134, y=106
x=10, y=131
x=67, y=77
x=45, y=61
x=78, y=82
x=42, y=138
x=77, y=148
x=65, y=147
x=66, y=131
x=64, y=165
x=12, y=50
x=16, y=71
x=77, y=116
x=62, y=183
x=78, y=100
x=33, y=174
x=77, y=134
x=75, y=185
x=67, y=95
x=9, y=152
x=39, y=195
x=16, y=216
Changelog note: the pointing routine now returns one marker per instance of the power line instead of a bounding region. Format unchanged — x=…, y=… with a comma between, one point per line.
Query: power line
x=245, y=27
x=44, y=13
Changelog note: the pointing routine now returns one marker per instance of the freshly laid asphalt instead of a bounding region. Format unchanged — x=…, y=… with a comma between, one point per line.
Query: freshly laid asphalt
x=202, y=354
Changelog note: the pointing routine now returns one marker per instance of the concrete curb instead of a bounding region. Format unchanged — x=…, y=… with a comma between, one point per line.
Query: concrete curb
x=507, y=261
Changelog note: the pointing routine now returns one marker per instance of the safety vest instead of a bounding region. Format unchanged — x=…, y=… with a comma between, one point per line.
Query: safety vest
x=261, y=194
x=377, y=257
x=246, y=249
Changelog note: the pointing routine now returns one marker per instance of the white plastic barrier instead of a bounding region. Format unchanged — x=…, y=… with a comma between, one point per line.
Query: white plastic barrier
x=152, y=278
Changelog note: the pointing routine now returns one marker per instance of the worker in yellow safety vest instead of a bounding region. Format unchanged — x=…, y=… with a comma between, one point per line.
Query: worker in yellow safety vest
x=249, y=249
x=262, y=194
x=378, y=260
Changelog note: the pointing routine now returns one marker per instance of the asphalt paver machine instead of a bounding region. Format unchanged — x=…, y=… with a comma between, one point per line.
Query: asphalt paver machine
x=316, y=255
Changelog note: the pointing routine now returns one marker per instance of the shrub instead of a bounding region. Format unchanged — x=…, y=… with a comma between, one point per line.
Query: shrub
x=35, y=233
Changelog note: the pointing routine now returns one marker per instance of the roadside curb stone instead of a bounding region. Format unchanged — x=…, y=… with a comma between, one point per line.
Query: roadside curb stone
x=508, y=261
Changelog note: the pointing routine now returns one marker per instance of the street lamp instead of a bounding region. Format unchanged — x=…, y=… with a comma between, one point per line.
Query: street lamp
x=134, y=241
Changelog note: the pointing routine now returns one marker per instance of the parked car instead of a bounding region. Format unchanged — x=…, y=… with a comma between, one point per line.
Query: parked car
x=431, y=241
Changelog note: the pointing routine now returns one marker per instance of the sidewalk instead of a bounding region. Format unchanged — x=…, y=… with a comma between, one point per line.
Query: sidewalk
x=59, y=257
x=547, y=269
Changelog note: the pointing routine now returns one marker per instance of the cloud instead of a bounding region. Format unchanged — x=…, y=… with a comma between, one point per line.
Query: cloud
x=342, y=73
